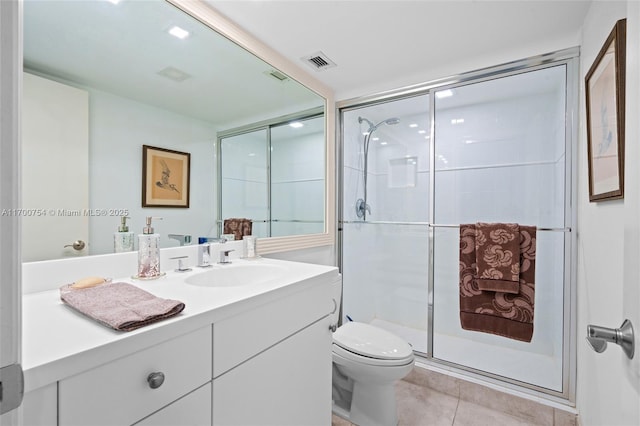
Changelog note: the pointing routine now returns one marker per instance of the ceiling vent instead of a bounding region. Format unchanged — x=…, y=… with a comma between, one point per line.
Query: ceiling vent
x=174, y=74
x=319, y=61
x=277, y=75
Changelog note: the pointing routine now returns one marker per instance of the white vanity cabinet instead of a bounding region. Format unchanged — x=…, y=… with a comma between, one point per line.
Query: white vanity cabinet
x=129, y=389
x=272, y=365
x=193, y=409
x=251, y=355
x=40, y=407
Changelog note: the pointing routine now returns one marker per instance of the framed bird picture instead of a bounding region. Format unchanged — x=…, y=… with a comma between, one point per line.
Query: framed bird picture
x=165, y=177
x=605, y=96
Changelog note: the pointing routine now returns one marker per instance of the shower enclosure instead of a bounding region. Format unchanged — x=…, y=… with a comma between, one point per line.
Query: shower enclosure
x=490, y=146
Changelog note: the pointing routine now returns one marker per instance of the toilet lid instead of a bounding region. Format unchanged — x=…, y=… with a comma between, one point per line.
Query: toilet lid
x=370, y=341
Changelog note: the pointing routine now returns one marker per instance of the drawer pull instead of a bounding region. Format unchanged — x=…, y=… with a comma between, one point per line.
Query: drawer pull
x=155, y=380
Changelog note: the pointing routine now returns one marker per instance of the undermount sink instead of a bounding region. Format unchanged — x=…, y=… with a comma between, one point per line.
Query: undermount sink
x=236, y=274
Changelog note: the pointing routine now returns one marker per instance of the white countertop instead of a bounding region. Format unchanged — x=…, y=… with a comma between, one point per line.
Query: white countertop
x=58, y=342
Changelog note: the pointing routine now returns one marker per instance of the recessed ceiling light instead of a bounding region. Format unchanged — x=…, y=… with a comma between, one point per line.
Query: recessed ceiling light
x=457, y=120
x=444, y=94
x=422, y=132
x=376, y=139
x=178, y=32
x=384, y=143
x=296, y=124
x=114, y=1
x=413, y=125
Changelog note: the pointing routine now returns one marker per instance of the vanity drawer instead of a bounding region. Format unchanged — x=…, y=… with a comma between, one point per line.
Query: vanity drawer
x=238, y=338
x=118, y=393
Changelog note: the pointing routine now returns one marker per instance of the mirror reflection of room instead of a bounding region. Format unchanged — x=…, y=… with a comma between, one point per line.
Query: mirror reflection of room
x=272, y=174
x=143, y=73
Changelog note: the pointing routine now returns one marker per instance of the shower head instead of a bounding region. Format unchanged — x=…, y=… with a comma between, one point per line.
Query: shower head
x=373, y=127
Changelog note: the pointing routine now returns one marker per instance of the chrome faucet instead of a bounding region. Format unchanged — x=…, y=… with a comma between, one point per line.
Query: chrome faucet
x=182, y=239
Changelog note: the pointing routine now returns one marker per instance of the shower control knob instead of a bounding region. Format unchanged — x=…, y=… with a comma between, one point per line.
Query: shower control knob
x=155, y=380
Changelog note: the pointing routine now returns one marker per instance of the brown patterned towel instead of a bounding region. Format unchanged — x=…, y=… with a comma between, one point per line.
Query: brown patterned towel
x=498, y=257
x=238, y=227
x=505, y=314
x=121, y=306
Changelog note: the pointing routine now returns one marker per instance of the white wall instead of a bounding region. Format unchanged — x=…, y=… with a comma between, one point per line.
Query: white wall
x=608, y=384
x=118, y=129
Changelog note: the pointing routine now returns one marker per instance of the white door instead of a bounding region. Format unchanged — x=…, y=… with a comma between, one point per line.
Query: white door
x=608, y=383
x=10, y=371
x=55, y=169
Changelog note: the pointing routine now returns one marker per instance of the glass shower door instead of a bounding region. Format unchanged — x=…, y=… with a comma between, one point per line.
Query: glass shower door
x=297, y=177
x=244, y=177
x=500, y=157
x=385, y=252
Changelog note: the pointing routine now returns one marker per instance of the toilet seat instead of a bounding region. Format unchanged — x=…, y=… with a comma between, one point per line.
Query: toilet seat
x=360, y=359
x=371, y=345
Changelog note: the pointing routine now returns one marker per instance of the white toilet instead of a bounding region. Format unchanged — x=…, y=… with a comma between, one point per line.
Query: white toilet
x=367, y=362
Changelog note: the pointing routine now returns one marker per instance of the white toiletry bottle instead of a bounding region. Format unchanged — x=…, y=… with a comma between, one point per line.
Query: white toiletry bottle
x=148, y=252
x=123, y=239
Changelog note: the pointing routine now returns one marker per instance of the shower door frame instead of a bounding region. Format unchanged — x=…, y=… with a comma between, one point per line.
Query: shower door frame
x=570, y=59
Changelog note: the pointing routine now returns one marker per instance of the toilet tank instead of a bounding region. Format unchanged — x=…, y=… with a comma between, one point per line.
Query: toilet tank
x=337, y=296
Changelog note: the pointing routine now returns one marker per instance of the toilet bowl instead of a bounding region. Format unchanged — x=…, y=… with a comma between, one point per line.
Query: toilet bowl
x=367, y=362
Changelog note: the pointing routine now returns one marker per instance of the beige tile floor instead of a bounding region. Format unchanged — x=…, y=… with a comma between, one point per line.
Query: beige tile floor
x=424, y=406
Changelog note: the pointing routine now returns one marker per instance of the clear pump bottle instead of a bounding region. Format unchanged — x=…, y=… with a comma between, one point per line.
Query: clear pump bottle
x=149, y=252
x=123, y=239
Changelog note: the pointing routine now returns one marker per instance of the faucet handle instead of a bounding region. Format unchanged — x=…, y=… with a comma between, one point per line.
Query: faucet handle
x=204, y=255
x=181, y=267
x=224, y=256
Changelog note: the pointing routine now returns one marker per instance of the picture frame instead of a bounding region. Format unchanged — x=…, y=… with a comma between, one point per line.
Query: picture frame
x=605, y=98
x=165, y=177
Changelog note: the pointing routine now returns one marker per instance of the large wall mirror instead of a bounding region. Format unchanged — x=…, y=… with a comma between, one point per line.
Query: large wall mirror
x=103, y=78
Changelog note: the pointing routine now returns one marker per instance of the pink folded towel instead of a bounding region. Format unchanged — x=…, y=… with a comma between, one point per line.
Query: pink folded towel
x=121, y=306
x=498, y=257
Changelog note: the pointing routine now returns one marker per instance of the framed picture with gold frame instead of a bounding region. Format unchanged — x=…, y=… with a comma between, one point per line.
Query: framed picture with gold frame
x=165, y=177
x=605, y=96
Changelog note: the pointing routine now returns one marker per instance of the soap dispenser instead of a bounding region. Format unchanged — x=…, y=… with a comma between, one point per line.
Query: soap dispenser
x=123, y=239
x=149, y=252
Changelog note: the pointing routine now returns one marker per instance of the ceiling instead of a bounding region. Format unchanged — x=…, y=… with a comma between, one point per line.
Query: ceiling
x=383, y=45
x=125, y=49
